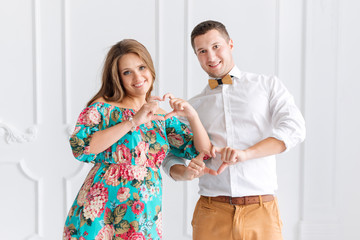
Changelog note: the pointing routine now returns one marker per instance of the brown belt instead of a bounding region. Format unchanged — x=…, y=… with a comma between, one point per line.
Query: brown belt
x=242, y=200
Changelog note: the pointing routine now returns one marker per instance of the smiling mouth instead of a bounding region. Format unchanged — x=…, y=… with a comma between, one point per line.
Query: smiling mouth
x=139, y=84
x=214, y=65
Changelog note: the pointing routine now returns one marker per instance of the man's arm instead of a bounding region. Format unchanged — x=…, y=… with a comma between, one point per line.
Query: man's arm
x=176, y=168
x=267, y=147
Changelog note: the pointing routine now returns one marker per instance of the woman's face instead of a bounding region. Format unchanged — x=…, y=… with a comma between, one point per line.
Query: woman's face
x=135, y=75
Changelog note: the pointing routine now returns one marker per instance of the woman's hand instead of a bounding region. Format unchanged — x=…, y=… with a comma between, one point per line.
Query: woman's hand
x=180, y=107
x=197, y=168
x=147, y=112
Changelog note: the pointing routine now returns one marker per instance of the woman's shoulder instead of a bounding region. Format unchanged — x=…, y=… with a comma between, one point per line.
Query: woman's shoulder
x=99, y=100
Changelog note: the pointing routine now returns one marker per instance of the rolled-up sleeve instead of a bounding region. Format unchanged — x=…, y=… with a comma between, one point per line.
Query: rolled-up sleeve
x=171, y=160
x=288, y=122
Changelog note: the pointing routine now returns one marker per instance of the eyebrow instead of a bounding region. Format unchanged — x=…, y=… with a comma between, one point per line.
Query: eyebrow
x=142, y=64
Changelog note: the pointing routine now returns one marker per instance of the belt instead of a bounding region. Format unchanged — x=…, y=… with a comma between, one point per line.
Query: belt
x=242, y=200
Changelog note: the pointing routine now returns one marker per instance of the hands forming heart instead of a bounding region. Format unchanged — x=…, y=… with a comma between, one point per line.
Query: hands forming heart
x=196, y=168
x=180, y=106
x=229, y=156
x=148, y=111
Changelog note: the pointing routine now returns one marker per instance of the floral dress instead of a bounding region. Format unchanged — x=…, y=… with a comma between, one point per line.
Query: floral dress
x=121, y=196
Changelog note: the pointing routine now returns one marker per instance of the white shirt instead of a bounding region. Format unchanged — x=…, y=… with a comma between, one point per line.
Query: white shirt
x=240, y=115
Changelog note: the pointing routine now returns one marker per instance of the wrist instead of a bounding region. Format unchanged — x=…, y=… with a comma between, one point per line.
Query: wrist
x=246, y=154
x=132, y=122
x=193, y=116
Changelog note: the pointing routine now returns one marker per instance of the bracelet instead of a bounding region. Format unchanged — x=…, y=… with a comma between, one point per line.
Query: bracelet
x=131, y=119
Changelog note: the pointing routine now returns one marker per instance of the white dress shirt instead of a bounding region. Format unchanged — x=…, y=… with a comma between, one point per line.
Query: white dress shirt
x=240, y=115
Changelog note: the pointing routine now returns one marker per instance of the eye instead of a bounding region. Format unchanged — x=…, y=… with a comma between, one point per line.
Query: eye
x=216, y=46
x=142, y=67
x=202, y=51
x=126, y=73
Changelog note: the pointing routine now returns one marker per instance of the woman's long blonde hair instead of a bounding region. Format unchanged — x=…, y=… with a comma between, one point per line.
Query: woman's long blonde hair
x=112, y=89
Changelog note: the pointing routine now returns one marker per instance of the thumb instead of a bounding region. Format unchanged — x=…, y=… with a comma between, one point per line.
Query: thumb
x=213, y=151
x=170, y=114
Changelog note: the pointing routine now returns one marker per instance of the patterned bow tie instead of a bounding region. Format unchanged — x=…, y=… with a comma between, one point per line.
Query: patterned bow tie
x=213, y=83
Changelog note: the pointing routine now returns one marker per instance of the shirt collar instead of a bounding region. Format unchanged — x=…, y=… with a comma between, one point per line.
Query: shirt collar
x=235, y=72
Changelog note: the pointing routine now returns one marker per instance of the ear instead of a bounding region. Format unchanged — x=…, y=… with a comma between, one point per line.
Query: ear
x=231, y=44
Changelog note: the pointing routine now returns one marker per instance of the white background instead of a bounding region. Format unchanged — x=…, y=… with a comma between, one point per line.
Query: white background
x=51, y=54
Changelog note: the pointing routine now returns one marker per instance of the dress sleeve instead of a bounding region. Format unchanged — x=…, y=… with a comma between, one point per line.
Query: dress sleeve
x=180, y=139
x=86, y=125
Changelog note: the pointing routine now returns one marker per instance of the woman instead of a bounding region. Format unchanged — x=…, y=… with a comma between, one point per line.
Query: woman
x=125, y=133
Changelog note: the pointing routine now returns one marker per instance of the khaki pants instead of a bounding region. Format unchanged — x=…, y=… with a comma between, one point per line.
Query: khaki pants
x=222, y=221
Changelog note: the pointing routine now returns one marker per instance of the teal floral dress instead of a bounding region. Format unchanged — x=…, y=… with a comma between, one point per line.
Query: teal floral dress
x=121, y=196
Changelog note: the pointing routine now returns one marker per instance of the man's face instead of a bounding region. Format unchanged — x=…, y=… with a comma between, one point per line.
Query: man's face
x=214, y=53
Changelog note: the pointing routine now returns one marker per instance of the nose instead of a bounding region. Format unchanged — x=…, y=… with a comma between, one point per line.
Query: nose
x=211, y=56
x=137, y=75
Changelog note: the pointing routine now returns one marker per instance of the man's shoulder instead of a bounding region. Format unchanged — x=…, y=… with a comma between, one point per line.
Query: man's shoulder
x=198, y=96
x=251, y=76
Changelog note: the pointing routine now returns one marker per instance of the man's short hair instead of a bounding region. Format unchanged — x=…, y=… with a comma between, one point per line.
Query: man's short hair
x=206, y=26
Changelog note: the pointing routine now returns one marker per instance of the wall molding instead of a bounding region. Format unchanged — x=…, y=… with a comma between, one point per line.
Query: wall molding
x=319, y=216
x=39, y=189
x=65, y=61
x=38, y=181
x=35, y=23
x=13, y=135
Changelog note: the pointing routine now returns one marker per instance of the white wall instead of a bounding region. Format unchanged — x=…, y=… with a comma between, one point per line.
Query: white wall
x=51, y=54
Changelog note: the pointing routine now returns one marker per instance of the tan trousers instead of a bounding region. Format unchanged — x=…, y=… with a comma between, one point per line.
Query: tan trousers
x=222, y=221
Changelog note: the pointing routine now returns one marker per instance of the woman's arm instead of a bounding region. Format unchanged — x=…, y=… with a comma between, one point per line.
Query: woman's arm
x=102, y=140
x=183, y=108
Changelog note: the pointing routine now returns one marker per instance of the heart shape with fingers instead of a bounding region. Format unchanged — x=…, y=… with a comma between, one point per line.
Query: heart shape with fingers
x=180, y=106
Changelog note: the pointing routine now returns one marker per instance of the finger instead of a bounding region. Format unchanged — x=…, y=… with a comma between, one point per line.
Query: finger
x=219, y=150
x=180, y=104
x=196, y=167
x=222, y=168
x=223, y=155
x=227, y=154
x=232, y=157
x=170, y=114
x=171, y=103
x=210, y=171
x=174, y=103
x=154, y=98
x=198, y=163
x=213, y=151
x=168, y=95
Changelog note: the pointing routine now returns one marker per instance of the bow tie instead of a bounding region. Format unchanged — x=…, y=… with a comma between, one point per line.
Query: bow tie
x=213, y=83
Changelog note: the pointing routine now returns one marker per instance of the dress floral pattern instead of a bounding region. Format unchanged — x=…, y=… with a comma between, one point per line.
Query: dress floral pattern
x=121, y=196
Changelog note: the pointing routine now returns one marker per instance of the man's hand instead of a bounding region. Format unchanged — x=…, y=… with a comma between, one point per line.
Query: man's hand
x=229, y=156
x=197, y=168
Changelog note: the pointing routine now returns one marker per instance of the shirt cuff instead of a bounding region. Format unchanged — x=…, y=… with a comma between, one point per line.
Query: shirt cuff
x=170, y=161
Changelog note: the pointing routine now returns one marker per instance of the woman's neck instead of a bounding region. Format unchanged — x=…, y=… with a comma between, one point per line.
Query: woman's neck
x=132, y=102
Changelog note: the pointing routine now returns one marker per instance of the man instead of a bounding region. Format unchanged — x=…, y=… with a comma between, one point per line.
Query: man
x=249, y=118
